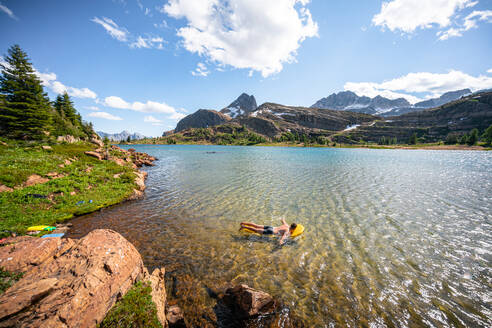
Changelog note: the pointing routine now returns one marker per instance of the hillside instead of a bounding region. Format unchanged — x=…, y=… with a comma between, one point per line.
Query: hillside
x=272, y=120
x=202, y=118
x=457, y=117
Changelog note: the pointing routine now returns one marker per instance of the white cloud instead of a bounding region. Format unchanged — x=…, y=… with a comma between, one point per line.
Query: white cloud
x=94, y=108
x=252, y=34
x=147, y=107
x=8, y=11
x=151, y=119
x=119, y=33
x=49, y=81
x=177, y=116
x=105, y=115
x=469, y=23
x=200, y=70
x=408, y=15
x=148, y=42
x=489, y=71
x=163, y=24
x=428, y=84
x=122, y=34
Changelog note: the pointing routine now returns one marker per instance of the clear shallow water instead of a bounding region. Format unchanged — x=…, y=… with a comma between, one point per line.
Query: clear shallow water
x=393, y=237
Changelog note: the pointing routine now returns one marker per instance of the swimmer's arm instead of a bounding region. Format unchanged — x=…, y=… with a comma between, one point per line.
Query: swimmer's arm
x=283, y=221
x=283, y=238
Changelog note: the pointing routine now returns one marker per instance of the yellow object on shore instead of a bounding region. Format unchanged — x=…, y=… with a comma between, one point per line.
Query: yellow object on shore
x=41, y=228
x=297, y=231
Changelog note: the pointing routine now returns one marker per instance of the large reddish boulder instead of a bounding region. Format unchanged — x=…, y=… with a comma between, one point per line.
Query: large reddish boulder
x=67, y=282
x=24, y=252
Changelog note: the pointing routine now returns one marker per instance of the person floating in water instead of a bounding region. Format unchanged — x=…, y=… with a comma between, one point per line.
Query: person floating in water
x=283, y=231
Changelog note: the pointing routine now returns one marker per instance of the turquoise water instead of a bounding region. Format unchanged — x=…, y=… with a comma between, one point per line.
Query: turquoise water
x=393, y=237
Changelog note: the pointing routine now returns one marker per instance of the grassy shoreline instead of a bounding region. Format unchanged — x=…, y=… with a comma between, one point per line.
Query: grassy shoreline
x=70, y=183
x=425, y=146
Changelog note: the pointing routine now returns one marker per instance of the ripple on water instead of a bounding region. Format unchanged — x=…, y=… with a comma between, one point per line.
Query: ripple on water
x=393, y=238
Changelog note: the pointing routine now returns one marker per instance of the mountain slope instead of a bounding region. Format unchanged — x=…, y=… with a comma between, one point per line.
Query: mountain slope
x=202, y=118
x=457, y=117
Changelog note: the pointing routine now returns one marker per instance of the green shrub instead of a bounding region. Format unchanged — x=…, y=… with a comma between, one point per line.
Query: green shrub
x=134, y=310
x=7, y=279
x=452, y=139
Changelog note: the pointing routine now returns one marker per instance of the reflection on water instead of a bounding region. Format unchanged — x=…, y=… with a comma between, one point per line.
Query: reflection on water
x=393, y=237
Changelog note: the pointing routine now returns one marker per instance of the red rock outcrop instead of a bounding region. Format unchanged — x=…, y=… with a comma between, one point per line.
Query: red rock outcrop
x=158, y=293
x=35, y=179
x=68, y=283
x=94, y=154
x=95, y=139
x=5, y=188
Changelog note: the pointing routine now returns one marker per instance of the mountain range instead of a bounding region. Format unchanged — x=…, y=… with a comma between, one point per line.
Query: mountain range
x=346, y=120
x=122, y=136
x=349, y=101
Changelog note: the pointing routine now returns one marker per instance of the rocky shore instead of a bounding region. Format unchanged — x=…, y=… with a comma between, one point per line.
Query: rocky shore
x=124, y=157
x=75, y=282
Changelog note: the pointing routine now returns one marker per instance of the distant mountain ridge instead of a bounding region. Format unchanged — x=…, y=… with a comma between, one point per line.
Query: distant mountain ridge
x=122, y=136
x=349, y=101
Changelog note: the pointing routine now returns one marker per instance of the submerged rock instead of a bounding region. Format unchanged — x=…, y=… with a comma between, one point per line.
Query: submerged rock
x=246, y=302
x=175, y=317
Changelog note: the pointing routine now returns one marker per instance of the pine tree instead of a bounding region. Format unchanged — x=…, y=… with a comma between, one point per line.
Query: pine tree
x=25, y=109
x=413, y=139
x=58, y=104
x=487, y=135
x=473, y=138
x=70, y=111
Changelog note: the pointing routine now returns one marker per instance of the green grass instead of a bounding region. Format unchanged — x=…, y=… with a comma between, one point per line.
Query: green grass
x=7, y=279
x=134, y=310
x=19, y=210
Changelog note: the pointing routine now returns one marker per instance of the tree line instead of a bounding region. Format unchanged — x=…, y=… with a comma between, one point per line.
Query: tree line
x=26, y=111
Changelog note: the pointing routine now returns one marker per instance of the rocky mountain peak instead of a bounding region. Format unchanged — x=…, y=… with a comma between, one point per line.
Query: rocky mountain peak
x=242, y=106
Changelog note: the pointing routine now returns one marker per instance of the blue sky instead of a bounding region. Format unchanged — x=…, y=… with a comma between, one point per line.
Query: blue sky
x=142, y=65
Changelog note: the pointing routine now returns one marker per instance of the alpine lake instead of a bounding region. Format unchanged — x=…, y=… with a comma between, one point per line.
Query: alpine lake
x=394, y=238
